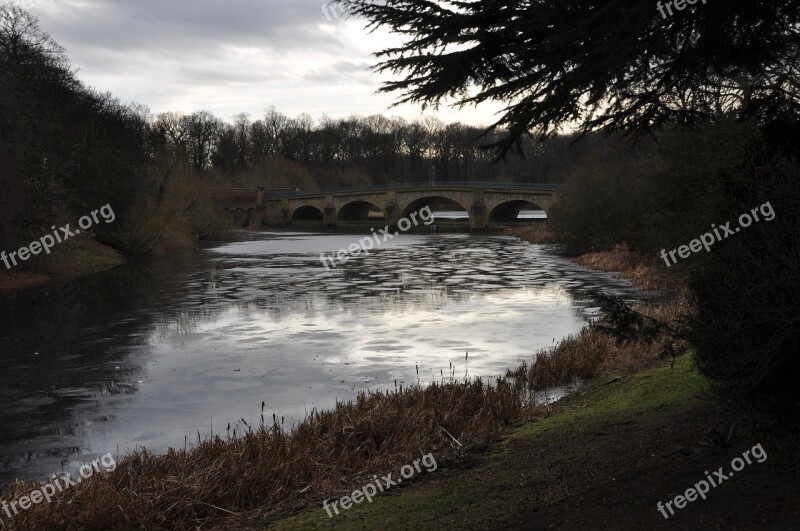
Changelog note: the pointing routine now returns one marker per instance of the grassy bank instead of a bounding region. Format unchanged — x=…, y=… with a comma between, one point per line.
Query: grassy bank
x=272, y=470
x=77, y=256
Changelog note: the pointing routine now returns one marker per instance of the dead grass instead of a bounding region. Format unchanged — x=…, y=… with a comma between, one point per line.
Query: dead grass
x=643, y=270
x=537, y=234
x=16, y=281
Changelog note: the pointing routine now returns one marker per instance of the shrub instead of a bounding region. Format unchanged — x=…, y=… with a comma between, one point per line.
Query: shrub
x=746, y=329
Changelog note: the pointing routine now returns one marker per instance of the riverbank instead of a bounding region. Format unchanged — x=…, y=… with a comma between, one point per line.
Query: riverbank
x=267, y=472
x=605, y=456
x=634, y=438
x=80, y=255
x=646, y=272
x=602, y=459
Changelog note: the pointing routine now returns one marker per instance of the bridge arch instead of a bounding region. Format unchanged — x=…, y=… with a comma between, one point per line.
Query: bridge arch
x=240, y=217
x=307, y=213
x=435, y=202
x=363, y=211
x=508, y=211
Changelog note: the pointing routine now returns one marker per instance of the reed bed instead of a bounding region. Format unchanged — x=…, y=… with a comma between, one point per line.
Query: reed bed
x=591, y=352
x=538, y=234
x=641, y=269
x=269, y=468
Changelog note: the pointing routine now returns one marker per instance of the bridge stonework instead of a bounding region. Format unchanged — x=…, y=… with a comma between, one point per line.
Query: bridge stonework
x=486, y=204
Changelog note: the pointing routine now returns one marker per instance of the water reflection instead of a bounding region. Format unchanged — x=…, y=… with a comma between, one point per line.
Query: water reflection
x=464, y=215
x=152, y=355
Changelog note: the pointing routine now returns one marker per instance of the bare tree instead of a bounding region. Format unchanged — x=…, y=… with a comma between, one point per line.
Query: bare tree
x=202, y=130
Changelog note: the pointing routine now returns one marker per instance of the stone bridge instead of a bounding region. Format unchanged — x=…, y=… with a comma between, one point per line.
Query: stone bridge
x=487, y=204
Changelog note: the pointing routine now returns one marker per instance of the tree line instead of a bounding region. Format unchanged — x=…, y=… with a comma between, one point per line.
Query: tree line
x=66, y=148
x=382, y=149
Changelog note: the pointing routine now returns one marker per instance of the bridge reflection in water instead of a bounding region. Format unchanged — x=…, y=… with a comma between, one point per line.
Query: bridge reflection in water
x=484, y=205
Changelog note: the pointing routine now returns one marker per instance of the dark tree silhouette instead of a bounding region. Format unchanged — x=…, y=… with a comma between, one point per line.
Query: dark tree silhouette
x=604, y=65
x=63, y=147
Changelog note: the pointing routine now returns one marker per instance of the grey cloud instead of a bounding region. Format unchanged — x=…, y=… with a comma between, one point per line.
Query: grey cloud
x=225, y=56
x=341, y=72
x=198, y=25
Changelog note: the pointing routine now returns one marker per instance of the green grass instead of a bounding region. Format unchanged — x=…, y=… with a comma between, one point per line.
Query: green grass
x=483, y=496
x=646, y=392
x=452, y=504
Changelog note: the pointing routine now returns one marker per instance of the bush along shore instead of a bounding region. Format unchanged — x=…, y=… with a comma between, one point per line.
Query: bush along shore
x=261, y=473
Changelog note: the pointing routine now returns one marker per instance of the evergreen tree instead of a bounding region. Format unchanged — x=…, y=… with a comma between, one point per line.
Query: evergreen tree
x=611, y=65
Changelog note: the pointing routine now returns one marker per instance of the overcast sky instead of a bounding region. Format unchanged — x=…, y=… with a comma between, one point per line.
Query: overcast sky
x=228, y=56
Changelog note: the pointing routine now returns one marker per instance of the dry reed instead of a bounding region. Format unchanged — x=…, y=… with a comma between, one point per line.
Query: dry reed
x=537, y=234
x=641, y=269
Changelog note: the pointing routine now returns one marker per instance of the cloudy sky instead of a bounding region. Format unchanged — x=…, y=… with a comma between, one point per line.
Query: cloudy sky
x=228, y=56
